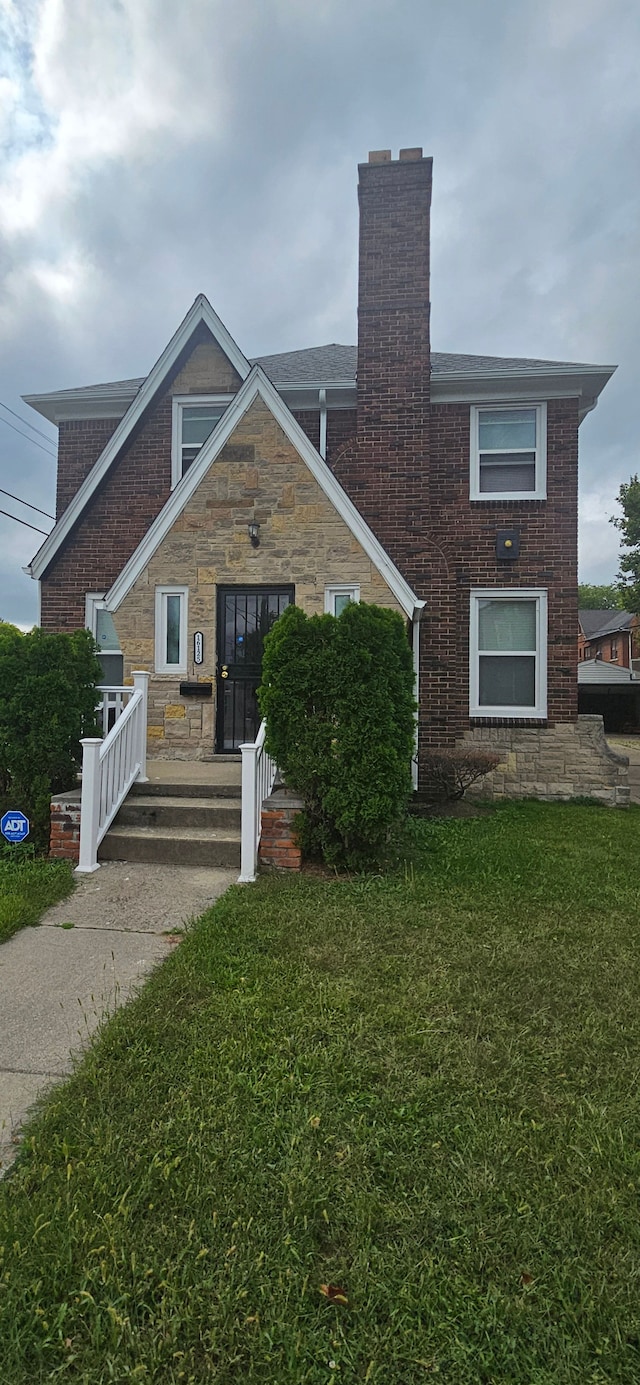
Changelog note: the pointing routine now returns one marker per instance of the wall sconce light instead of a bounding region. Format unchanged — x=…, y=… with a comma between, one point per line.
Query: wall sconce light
x=254, y=534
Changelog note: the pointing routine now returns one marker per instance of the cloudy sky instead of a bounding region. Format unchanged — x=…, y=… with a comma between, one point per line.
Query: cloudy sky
x=152, y=150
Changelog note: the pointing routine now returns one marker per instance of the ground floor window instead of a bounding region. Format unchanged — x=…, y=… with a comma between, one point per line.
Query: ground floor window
x=171, y=629
x=337, y=597
x=508, y=653
x=100, y=622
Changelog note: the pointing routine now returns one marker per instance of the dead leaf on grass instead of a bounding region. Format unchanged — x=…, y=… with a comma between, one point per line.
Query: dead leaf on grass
x=335, y=1294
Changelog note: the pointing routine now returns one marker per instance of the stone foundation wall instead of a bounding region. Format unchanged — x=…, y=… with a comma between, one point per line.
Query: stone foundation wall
x=64, y=839
x=568, y=760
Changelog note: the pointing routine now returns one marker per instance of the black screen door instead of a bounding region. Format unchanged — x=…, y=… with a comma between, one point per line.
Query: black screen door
x=245, y=616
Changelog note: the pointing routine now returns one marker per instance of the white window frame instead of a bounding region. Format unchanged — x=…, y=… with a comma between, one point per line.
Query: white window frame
x=540, y=490
x=161, y=664
x=350, y=589
x=94, y=602
x=179, y=403
x=539, y=712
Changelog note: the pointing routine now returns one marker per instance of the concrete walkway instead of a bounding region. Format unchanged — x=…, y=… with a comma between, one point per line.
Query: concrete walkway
x=629, y=745
x=57, y=982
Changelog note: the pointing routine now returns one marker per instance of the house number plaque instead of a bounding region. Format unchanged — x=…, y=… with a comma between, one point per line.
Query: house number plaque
x=198, y=647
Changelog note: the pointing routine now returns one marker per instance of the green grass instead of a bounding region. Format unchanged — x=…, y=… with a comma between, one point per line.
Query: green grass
x=422, y=1088
x=28, y=886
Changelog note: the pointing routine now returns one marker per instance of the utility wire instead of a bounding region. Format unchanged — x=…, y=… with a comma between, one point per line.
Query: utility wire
x=25, y=421
x=27, y=503
x=26, y=523
x=26, y=435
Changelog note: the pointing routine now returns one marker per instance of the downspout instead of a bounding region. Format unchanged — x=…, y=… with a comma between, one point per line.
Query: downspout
x=417, y=617
x=322, y=447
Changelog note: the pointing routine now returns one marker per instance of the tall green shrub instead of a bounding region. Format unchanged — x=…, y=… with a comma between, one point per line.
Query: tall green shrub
x=337, y=694
x=47, y=703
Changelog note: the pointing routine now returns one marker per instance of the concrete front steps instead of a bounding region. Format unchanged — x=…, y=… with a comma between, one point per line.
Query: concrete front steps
x=176, y=820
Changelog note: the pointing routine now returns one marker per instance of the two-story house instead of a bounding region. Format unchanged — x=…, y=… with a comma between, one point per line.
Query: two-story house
x=194, y=503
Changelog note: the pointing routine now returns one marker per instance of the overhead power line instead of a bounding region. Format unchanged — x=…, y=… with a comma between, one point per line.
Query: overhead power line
x=26, y=523
x=27, y=503
x=20, y=419
x=26, y=435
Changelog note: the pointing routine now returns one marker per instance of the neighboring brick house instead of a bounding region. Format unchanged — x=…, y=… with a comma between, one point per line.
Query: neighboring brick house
x=607, y=635
x=194, y=503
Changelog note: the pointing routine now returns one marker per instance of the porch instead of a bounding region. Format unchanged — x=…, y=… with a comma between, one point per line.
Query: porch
x=180, y=812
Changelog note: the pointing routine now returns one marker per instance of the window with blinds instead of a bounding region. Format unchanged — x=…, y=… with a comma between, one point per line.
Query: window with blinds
x=508, y=452
x=508, y=632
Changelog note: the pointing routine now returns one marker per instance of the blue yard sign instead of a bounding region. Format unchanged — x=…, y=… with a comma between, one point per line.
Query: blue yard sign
x=14, y=825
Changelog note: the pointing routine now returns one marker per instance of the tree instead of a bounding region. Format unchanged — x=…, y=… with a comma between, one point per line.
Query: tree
x=629, y=525
x=599, y=598
x=47, y=703
x=337, y=694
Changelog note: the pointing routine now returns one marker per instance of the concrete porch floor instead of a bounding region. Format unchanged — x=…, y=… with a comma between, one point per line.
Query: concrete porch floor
x=225, y=769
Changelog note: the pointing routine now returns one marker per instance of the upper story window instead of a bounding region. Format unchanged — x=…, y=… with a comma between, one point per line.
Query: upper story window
x=194, y=419
x=509, y=452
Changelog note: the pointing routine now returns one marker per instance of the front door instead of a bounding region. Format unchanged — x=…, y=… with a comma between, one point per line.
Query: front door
x=245, y=616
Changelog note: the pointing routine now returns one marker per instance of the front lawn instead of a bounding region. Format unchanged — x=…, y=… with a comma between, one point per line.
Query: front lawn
x=421, y=1090
x=28, y=886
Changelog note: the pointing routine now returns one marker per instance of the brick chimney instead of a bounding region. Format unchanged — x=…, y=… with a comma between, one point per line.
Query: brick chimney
x=393, y=348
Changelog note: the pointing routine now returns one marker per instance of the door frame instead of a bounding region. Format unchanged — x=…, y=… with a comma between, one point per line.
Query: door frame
x=223, y=590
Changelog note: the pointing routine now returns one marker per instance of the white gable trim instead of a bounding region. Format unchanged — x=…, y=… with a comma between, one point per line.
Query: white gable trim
x=258, y=384
x=201, y=311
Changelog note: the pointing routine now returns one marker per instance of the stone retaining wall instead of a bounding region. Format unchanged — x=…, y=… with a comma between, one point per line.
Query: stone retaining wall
x=568, y=760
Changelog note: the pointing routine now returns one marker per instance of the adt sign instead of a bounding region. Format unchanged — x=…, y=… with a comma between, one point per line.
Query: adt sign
x=14, y=826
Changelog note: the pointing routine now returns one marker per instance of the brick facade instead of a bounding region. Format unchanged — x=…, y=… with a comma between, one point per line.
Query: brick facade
x=64, y=836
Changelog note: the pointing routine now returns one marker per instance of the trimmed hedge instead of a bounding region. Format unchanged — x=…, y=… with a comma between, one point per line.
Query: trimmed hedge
x=47, y=703
x=338, y=697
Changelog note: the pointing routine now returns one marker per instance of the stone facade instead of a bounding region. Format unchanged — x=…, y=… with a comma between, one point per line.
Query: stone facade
x=568, y=760
x=303, y=541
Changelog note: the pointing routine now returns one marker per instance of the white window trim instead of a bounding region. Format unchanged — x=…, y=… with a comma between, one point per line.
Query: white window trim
x=161, y=664
x=94, y=602
x=539, y=712
x=540, y=492
x=350, y=589
x=178, y=404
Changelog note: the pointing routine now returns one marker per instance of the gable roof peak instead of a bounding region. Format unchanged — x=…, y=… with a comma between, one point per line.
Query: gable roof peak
x=200, y=311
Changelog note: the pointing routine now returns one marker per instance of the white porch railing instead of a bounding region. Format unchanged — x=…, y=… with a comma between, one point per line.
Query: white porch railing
x=109, y=768
x=112, y=705
x=258, y=774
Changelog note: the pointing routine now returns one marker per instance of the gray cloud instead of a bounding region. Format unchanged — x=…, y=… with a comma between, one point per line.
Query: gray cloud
x=151, y=152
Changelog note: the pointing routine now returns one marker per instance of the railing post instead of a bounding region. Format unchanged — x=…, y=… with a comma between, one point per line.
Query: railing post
x=141, y=681
x=89, y=806
x=250, y=808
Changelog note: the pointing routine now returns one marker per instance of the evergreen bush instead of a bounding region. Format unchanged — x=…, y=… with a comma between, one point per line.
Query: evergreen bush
x=47, y=703
x=338, y=697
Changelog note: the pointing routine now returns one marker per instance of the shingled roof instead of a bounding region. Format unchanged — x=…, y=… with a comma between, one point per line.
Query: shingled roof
x=595, y=624
x=336, y=364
